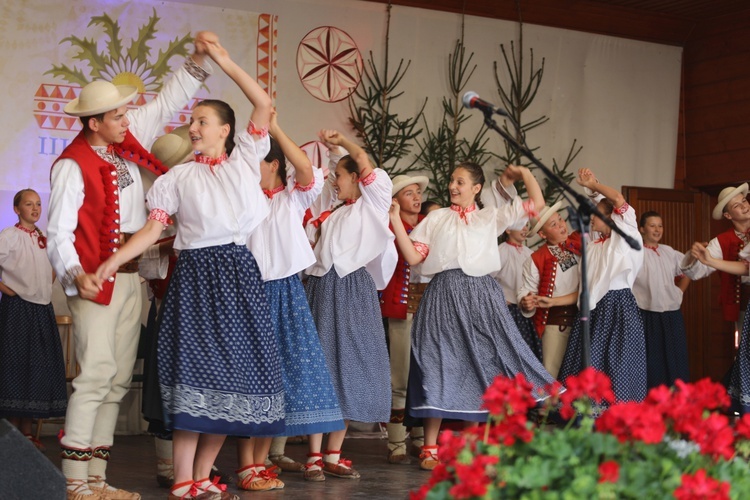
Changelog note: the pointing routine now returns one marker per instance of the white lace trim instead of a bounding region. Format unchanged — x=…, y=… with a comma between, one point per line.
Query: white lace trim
x=313, y=417
x=227, y=406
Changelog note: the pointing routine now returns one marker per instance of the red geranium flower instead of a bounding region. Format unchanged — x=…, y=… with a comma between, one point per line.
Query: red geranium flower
x=742, y=428
x=508, y=396
x=701, y=486
x=609, y=472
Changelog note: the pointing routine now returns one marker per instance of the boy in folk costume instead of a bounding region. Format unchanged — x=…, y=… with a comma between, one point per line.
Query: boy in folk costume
x=735, y=290
x=407, y=192
x=549, y=290
x=96, y=201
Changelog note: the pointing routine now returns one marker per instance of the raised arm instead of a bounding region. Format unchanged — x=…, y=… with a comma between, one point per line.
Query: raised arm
x=533, y=190
x=587, y=179
x=302, y=166
x=335, y=138
x=262, y=104
x=410, y=253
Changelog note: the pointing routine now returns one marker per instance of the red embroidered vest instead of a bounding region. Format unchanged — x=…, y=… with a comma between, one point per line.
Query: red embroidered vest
x=546, y=264
x=729, y=295
x=97, y=235
x=393, y=297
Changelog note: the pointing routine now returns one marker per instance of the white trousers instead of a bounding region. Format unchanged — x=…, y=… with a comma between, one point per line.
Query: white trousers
x=106, y=344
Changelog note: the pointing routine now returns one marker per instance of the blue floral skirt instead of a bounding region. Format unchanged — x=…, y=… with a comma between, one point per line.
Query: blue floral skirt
x=347, y=315
x=218, y=356
x=618, y=345
x=462, y=337
x=311, y=403
x=32, y=367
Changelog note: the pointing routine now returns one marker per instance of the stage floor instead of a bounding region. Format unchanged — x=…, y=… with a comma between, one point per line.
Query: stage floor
x=133, y=467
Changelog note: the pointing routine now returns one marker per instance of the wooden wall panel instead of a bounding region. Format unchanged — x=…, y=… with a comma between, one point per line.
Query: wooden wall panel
x=717, y=102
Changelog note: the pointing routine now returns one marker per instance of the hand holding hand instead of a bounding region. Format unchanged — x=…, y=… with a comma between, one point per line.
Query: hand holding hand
x=529, y=302
x=512, y=173
x=331, y=138
x=700, y=252
x=89, y=285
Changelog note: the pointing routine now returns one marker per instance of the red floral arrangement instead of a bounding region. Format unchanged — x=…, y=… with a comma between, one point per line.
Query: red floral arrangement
x=677, y=443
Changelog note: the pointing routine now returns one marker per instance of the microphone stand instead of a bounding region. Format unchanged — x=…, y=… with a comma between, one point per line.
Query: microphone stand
x=582, y=217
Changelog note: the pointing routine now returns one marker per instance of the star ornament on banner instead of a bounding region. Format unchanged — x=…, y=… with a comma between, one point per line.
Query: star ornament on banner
x=329, y=64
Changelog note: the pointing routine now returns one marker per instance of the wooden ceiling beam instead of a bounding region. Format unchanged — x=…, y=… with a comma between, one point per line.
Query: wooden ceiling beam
x=581, y=15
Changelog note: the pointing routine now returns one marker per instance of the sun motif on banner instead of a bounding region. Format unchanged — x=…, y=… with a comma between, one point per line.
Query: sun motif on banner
x=329, y=64
x=131, y=65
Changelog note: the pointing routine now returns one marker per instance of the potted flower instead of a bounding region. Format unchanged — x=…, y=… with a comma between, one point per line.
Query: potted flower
x=674, y=444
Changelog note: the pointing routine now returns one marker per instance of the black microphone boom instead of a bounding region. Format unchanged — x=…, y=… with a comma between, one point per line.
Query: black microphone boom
x=472, y=100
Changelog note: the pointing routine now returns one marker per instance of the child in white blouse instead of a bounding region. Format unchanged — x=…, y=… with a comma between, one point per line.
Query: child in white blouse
x=617, y=340
x=280, y=245
x=463, y=335
x=659, y=300
x=355, y=258
x=219, y=366
x=32, y=369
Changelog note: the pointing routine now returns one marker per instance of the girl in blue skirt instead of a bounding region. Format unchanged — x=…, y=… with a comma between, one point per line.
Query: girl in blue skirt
x=281, y=247
x=218, y=357
x=463, y=335
x=618, y=346
x=355, y=257
x=32, y=369
x=659, y=300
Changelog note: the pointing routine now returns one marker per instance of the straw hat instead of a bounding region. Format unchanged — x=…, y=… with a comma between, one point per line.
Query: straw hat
x=100, y=96
x=544, y=214
x=727, y=194
x=401, y=181
x=172, y=148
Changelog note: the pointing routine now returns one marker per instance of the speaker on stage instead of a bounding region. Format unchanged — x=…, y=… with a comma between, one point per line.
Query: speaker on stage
x=25, y=472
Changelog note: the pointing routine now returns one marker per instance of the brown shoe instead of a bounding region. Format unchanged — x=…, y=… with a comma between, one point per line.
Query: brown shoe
x=428, y=459
x=264, y=480
x=286, y=464
x=79, y=492
x=104, y=490
x=398, y=457
x=343, y=469
x=314, y=471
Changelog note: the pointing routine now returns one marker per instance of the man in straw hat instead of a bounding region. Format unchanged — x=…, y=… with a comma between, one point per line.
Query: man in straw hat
x=407, y=192
x=549, y=289
x=96, y=201
x=735, y=290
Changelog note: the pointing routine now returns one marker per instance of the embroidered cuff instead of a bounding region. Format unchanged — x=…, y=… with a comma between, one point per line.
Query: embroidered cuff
x=160, y=216
x=366, y=181
x=70, y=276
x=528, y=207
x=423, y=249
x=622, y=209
x=302, y=188
x=195, y=70
x=259, y=132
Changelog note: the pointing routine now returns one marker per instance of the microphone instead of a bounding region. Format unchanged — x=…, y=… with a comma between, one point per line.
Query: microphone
x=472, y=100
